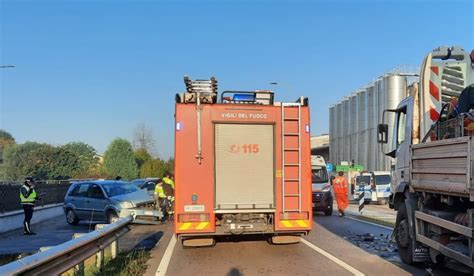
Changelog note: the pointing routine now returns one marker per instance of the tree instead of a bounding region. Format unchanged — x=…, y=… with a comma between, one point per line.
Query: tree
x=119, y=160
x=6, y=139
x=41, y=161
x=141, y=156
x=153, y=168
x=143, y=138
x=87, y=159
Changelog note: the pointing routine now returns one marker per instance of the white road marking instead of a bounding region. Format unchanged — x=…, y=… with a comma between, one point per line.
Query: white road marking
x=165, y=261
x=332, y=258
x=368, y=222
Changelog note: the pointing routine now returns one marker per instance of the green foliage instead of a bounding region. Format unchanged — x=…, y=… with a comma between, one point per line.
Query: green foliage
x=6, y=139
x=87, y=159
x=43, y=161
x=141, y=156
x=119, y=159
x=156, y=168
x=129, y=263
x=28, y=159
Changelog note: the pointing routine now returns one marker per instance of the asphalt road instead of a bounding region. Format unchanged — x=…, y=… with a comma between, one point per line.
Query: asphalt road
x=324, y=252
x=336, y=246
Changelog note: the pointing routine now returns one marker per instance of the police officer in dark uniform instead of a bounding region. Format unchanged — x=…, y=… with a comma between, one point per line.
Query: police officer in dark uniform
x=28, y=197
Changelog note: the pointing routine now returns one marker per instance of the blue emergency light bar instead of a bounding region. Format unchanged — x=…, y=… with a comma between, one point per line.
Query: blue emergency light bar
x=248, y=97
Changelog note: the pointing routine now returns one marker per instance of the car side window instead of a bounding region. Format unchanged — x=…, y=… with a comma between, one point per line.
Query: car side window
x=74, y=190
x=96, y=192
x=150, y=186
x=80, y=190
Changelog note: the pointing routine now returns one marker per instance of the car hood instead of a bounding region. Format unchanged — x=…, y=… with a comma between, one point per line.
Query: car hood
x=136, y=198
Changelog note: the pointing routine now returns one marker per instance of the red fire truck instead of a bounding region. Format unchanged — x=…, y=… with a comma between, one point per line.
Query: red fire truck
x=242, y=165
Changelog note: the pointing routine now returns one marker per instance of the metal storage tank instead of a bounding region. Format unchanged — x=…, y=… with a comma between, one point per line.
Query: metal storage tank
x=339, y=142
x=362, y=127
x=395, y=91
x=380, y=106
x=345, y=129
x=332, y=134
x=371, y=142
x=353, y=128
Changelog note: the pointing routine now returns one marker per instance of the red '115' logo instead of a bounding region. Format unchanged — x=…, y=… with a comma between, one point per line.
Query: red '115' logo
x=245, y=148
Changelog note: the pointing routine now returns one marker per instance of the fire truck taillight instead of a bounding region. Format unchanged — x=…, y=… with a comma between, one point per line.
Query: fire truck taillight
x=193, y=217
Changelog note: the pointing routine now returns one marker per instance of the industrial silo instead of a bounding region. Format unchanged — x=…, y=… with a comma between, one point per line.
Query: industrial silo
x=380, y=95
x=332, y=134
x=339, y=142
x=345, y=130
x=353, y=128
x=362, y=127
x=371, y=141
x=395, y=91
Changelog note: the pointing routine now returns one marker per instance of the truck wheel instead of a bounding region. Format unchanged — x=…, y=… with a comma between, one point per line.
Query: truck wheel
x=328, y=212
x=402, y=236
x=71, y=217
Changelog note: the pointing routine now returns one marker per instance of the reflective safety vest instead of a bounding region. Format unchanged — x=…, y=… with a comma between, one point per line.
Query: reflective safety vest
x=340, y=185
x=169, y=181
x=31, y=197
x=159, y=191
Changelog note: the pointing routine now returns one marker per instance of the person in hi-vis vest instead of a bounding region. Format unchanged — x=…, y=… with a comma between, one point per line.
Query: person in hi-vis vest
x=28, y=198
x=341, y=190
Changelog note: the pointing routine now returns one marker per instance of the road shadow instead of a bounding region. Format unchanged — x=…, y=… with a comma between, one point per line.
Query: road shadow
x=234, y=272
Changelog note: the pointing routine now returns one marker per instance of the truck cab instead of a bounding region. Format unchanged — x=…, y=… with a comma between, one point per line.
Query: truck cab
x=321, y=186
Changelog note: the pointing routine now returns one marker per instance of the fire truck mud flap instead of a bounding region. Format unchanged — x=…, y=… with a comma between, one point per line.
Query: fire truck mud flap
x=198, y=242
x=285, y=239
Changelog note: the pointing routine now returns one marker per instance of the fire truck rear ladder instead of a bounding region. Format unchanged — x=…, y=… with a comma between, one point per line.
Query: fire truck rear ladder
x=198, y=87
x=285, y=149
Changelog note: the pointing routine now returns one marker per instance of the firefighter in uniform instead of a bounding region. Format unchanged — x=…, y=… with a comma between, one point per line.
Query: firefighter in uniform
x=341, y=192
x=169, y=179
x=160, y=198
x=28, y=197
x=168, y=186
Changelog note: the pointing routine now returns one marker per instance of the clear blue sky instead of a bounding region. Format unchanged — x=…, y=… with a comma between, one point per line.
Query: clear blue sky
x=92, y=70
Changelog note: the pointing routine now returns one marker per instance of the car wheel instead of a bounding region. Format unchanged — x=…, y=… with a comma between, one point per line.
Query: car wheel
x=328, y=212
x=111, y=215
x=71, y=217
x=402, y=236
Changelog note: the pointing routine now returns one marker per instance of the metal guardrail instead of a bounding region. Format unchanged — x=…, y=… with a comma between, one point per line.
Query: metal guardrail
x=64, y=257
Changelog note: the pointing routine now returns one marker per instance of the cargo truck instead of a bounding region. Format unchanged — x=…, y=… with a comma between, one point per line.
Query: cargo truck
x=432, y=184
x=242, y=165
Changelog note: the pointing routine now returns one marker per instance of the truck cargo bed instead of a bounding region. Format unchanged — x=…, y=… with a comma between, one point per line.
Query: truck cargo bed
x=443, y=167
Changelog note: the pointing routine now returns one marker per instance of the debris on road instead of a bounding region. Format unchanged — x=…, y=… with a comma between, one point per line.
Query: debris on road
x=379, y=245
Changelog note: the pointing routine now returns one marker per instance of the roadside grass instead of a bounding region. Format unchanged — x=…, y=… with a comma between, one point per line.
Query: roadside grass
x=127, y=263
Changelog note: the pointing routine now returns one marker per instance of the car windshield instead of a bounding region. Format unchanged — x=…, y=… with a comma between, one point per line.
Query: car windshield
x=116, y=189
x=137, y=182
x=363, y=179
x=320, y=174
x=382, y=179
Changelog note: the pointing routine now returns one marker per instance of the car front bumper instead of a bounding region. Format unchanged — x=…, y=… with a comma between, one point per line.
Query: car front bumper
x=322, y=201
x=142, y=216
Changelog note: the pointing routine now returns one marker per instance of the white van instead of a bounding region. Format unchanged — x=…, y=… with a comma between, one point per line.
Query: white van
x=382, y=187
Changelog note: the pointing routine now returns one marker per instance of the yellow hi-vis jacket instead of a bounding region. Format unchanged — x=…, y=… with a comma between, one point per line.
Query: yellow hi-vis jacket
x=159, y=191
x=169, y=181
x=27, y=195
